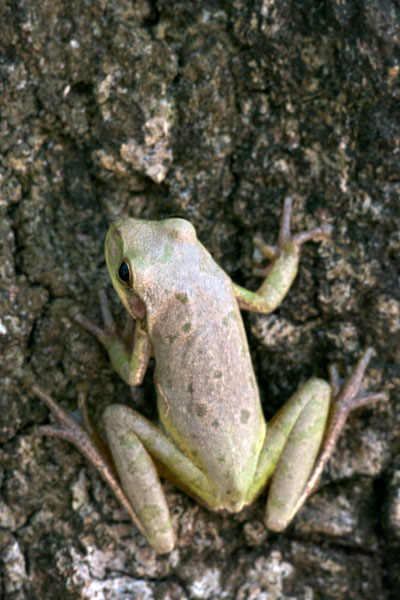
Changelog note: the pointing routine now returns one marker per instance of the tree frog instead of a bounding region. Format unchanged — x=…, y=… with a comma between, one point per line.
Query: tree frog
x=211, y=440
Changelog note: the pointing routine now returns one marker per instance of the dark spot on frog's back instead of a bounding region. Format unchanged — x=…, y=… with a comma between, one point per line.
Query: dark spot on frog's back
x=244, y=416
x=226, y=319
x=182, y=297
x=200, y=409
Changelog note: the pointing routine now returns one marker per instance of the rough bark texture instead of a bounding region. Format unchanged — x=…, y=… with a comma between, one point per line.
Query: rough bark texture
x=214, y=110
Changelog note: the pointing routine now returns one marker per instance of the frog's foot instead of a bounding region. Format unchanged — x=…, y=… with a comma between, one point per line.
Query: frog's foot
x=285, y=236
x=346, y=397
x=107, y=334
x=69, y=430
x=349, y=394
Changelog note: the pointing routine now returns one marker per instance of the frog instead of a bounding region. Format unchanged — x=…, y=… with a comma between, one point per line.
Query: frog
x=211, y=439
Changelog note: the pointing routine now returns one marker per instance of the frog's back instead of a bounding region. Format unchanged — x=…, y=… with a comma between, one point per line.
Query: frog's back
x=208, y=398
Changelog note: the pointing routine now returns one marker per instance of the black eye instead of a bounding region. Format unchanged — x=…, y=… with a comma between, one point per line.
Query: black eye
x=124, y=273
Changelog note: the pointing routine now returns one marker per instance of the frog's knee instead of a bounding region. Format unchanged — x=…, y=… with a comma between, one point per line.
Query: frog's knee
x=274, y=523
x=118, y=416
x=317, y=389
x=115, y=411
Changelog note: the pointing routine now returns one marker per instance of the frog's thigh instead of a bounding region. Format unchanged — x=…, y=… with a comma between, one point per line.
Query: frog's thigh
x=139, y=478
x=124, y=424
x=300, y=451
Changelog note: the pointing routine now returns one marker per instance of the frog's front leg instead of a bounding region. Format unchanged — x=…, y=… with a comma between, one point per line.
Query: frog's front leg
x=301, y=438
x=130, y=352
x=282, y=271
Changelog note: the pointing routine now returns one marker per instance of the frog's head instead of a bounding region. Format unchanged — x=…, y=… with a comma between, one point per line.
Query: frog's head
x=142, y=255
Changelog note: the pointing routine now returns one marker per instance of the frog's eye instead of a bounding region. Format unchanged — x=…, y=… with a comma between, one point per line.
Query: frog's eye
x=124, y=273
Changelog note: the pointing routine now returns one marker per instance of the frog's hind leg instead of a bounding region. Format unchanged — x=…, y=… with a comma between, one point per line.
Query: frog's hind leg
x=292, y=443
x=138, y=477
x=145, y=503
x=123, y=425
x=347, y=395
x=301, y=438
